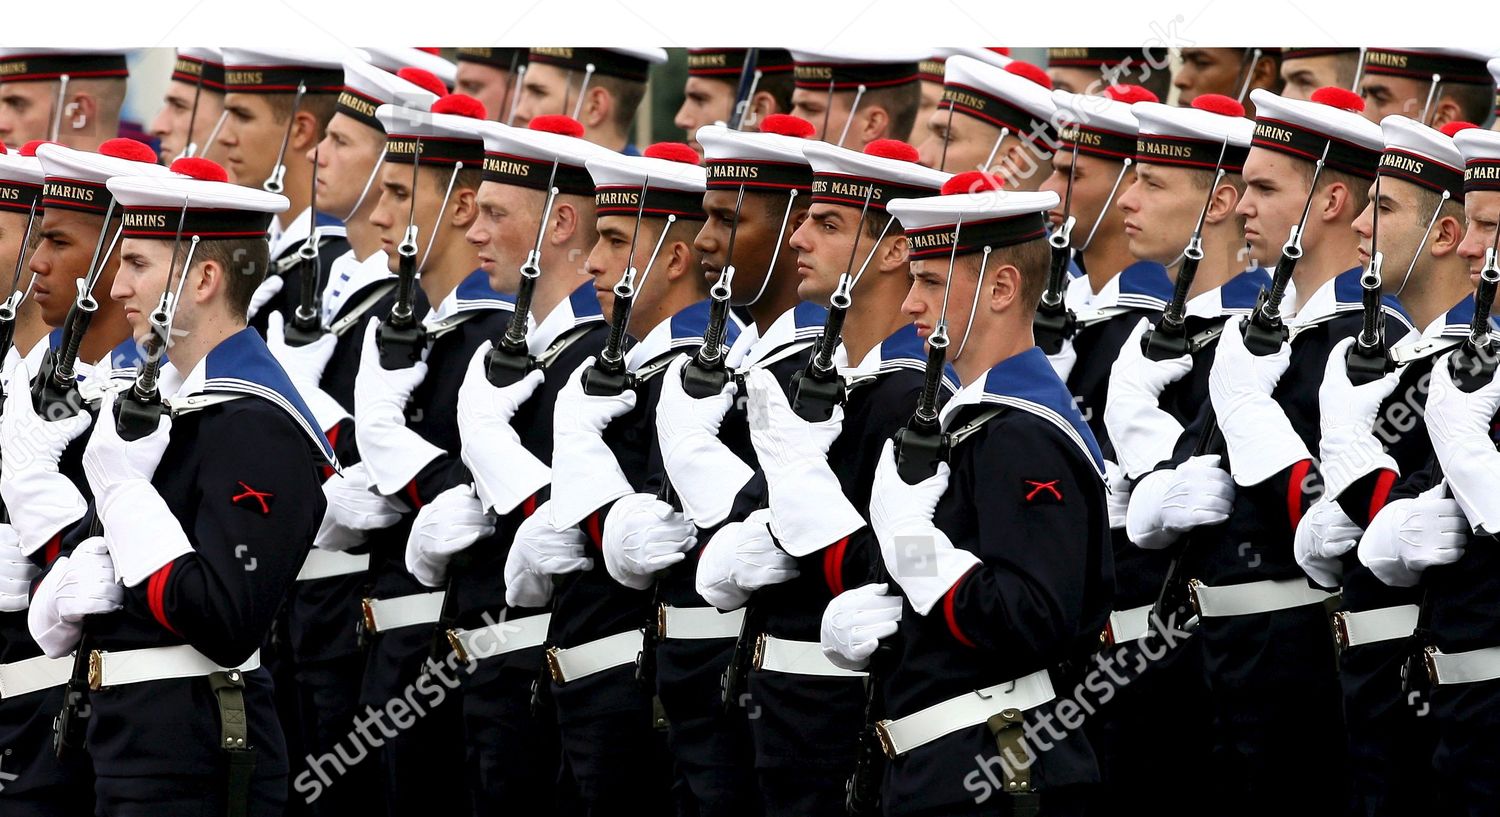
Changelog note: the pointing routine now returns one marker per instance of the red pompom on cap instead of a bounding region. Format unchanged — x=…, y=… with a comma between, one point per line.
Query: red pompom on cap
x=1025, y=69
x=1003, y=51
x=1450, y=128
x=3, y=151
x=460, y=105
x=1219, y=104
x=1341, y=98
x=1130, y=94
x=892, y=149
x=436, y=52
x=128, y=149
x=672, y=152
x=424, y=79
x=203, y=170
x=558, y=124
x=29, y=149
x=972, y=181
x=784, y=124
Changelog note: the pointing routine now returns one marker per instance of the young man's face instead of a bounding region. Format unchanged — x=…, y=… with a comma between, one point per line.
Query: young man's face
x=250, y=139
x=1304, y=75
x=611, y=255
x=171, y=122
x=1077, y=80
x=62, y=258
x=1402, y=225
x=824, y=243
x=924, y=302
x=1161, y=208
x=504, y=231
x=705, y=101
x=139, y=283
x=813, y=105
x=546, y=89
x=970, y=142
x=1387, y=95
x=1093, y=182
x=756, y=238
x=486, y=83
x=394, y=208
x=26, y=111
x=346, y=159
x=1209, y=71
x=1275, y=194
x=1482, y=212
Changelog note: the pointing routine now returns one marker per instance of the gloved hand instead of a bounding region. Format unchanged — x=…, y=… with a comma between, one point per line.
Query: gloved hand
x=1347, y=446
x=353, y=510
x=642, y=537
x=504, y=472
x=79, y=585
x=452, y=522
x=41, y=501
x=392, y=453
x=16, y=572
x=919, y=556
x=1410, y=535
x=139, y=528
x=808, y=506
x=855, y=621
x=1117, y=499
x=305, y=365
x=1173, y=501
x=740, y=559
x=1259, y=437
x=539, y=553
x=704, y=472
x=1142, y=433
x=1324, y=534
x=1459, y=425
x=263, y=294
x=586, y=475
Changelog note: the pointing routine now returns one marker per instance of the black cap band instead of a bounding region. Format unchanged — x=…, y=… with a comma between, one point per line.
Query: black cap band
x=1181, y=151
x=1104, y=144
x=1482, y=175
x=1422, y=171
x=1301, y=143
x=851, y=191
x=728, y=63
x=757, y=175
x=80, y=196
x=358, y=106
x=282, y=79
x=932, y=70
x=506, y=59
x=1308, y=53
x=1000, y=112
x=1421, y=65
x=522, y=171
x=194, y=71
x=1093, y=58
x=974, y=236
x=209, y=224
x=605, y=61
x=16, y=197
x=40, y=67
x=660, y=203
x=848, y=76
x=434, y=151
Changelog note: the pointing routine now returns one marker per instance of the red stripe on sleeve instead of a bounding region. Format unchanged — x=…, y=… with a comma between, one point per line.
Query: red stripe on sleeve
x=833, y=565
x=53, y=548
x=528, y=506
x=413, y=495
x=333, y=441
x=1294, y=492
x=156, y=590
x=594, y=527
x=1384, y=481
x=948, y=613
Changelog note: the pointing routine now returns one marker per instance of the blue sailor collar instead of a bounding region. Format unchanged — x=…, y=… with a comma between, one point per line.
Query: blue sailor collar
x=580, y=307
x=348, y=276
x=242, y=365
x=1344, y=294
x=1027, y=382
x=1456, y=321
x=1142, y=285
x=473, y=294
x=904, y=349
x=683, y=331
x=803, y=322
x=125, y=360
x=1236, y=296
x=1074, y=269
x=296, y=232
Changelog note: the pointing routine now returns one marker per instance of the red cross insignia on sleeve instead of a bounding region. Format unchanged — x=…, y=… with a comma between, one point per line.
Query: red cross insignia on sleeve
x=1038, y=491
x=251, y=499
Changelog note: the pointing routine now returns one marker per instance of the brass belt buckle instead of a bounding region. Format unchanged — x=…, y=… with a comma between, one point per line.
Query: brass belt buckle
x=1193, y=585
x=1432, y=670
x=1341, y=629
x=458, y=646
x=887, y=746
x=760, y=651
x=367, y=607
x=661, y=622
x=96, y=670
x=554, y=667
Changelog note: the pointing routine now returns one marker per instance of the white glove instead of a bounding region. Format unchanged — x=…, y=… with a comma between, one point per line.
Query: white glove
x=586, y=475
x=353, y=510
x=704, y=472
x=740, y=559
x=1410, y=535
x=16, y=572
x=453, y=521
x=810, y=511
x=1142, y=433
x=304, y=365
x=392, y=453
x=1347, y=447
x=1259, y=437
x=505, y=473
x=539, y=553
x=1324, y=534
x=1459, y=426
x=139, y=528
x=855, y=621
x=919, y=556
x=1064, y=360
x=642, y=537
x=79, y=585
x=40, y=500
x=1117, y=498
x=263, y=294
x=1173, y=501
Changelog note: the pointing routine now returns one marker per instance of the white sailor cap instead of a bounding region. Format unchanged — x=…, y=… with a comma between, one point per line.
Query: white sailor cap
x=989, y=217
x=196, y=65
x=771, y=161
x=76, y=179
x=393, y=59
x=933, y=67
x=449, y=133
x=1421, y=155
x=847, y=70
x=885, y=171
x=625, y=63
x=523, y=157
x=197, y=195
x=1462, y=66
x=282, y=70
x=36, y=64
x=1330, y=120
x=21, y=180
x=668, y=174
x=1000, y=97
x=1195, y=136
x=1098, y=126
x=1481, y=151
x=367, y=87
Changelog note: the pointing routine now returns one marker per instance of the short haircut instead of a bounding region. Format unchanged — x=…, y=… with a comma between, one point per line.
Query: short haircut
x=628, y=94
x=1359, y=188
x=321, y=106
x=1474, y=101
x=901, y=102
x=1034, y=259
x=245, y=262
x=779, y=85
x=1427, y=201
x=109, y=91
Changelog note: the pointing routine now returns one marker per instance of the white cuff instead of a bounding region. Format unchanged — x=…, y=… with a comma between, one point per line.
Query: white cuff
x=1347, y=454
x=1143, y=520
x=140, y=530
x=809, y=511
x=586, y=477
x=392, y=453
x=56, y=637
x=1142, y=433
x=504, y=472
x=707, y=476
x=1261, y=441
x=925, y=583
x=326, y=410
x=41, y=504
x=1471, y=465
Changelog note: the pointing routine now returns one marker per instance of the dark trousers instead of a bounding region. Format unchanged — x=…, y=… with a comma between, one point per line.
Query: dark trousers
x=183, y=796
x=513, y=755
x=329, y=692
x=1468, y=750
x=613, y=751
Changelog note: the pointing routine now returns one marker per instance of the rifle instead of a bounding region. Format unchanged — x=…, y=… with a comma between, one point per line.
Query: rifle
x=1472, y=364
x=399, y=338
x=1168, y=339
x=1054, y=322
x=305, y=325
x=54, y=392
x=12, y=301
x=509, y=359
x=745, y=89
x=608, y=375
x=1369, y=359
x=705, y=374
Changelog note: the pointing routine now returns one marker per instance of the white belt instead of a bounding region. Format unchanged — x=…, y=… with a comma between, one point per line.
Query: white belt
x=403, y=611
x=698, y=622
x=111, y=669
x=1128, y=625
x=501, y=638
x=1463, y=667
x=774, y=654
x=21, y=677
x=1352, y=629
x=920, y=728
x=1253, y=597
x=325, y=564
x=596, y=656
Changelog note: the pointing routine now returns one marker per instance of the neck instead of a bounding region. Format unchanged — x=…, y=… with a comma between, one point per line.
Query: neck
x=107, y=330
x=1434, y=289
x=364, y=237
x=189, y=348
x=982, y=354
x=680, y=295
x=875, y=314
x=295, y=187
x=780, y=294
x=446, y=267
x=1105, y=256
x=607, y=137
x=1220, y=263
x=1334, y=253
x=558, y=280
x=30, y=328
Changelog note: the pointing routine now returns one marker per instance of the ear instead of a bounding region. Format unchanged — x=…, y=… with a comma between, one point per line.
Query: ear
x=1336, y=202
x=210, y=281
x=1266, y=73
x=564, y=223
x=896, y=255
x=1004, y=287
x=79, y=110
x=597, y=108
x=1221, y=205
x=305, y=133
x=877, y=125
x=1447, y=234
x=762, y=105
x=680, y=263
x=1445, y=110
x=465, y=207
